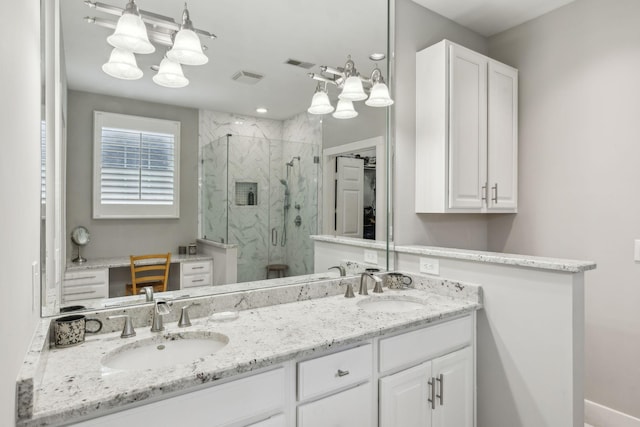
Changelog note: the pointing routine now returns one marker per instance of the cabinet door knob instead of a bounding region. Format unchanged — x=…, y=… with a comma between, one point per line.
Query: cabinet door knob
x=342, y=373
x=440, y=396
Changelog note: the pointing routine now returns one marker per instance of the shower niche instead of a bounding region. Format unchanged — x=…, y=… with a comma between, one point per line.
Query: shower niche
x=246, y=193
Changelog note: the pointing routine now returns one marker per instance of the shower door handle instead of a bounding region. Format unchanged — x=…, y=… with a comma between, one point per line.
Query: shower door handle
x=274, y=237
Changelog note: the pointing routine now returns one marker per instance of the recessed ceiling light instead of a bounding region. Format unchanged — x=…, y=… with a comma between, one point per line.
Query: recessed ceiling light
x=261, y=110
x=377, y=56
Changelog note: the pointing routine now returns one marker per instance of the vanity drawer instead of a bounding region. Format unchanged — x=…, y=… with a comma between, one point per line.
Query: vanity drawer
x=351, y=407
x=86, y=277
x=423, y=344
x=196, y=267
x=196, y=280
x=75, y=293
x=334, y=371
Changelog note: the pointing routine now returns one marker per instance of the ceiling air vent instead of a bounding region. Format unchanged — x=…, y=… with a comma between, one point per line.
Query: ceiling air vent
x=247, y=77
x=301, y=64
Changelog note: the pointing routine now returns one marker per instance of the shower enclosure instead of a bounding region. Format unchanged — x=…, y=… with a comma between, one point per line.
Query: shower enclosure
x=263, y=196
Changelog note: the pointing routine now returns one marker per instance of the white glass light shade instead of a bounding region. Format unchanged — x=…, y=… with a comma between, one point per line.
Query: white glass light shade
x=352, y=90
x=131, y=35
x=122, y=65
x=170, y=75
x=320, y=104
x=379, y=96
x=344, y=110
x=187, y=49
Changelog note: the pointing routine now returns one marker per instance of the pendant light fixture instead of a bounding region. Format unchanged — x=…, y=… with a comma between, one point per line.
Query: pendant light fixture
x=170, y=74
x=320, y=103
x=131, y=32
x=353, y=88
x=186, y=46
x=122, y=65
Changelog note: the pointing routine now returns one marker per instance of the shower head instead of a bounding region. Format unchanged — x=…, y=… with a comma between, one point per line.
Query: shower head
x=290, y=163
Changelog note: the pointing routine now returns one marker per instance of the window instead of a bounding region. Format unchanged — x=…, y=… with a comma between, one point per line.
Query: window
x=136, y=167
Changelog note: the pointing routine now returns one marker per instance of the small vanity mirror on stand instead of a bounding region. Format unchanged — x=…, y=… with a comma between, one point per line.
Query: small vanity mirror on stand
x=80, y=237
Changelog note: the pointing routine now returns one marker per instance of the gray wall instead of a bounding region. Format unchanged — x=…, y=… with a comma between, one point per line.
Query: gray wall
x=20, y=192
x=579, y=132
x=371, y=122
x=415, y=29
x=116, y=237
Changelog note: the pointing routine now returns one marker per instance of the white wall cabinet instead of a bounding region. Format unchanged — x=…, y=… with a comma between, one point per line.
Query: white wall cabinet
x=466, y=132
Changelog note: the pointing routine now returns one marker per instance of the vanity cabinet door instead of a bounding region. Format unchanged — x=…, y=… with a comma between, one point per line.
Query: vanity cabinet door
x=349, y=408
x=453, y=375
x=404, y=398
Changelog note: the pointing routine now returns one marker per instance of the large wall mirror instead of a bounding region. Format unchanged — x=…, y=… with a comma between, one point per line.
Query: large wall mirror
x=254, y=175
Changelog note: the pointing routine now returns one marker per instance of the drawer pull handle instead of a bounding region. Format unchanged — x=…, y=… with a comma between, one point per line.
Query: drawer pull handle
x=432, y=385
x=198, y=280
x=342, y=373
x=80, y=292
x=80, y=278
x=440, y=396
x=197, y=268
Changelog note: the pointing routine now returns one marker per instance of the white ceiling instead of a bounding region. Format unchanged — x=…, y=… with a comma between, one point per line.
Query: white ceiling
x=255, y=36
x=489, y=17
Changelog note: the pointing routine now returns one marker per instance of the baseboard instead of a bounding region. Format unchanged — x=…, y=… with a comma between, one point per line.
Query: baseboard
x=601, y=416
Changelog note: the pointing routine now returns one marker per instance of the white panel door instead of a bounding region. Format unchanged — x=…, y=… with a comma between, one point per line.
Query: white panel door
x=349, y=196
x=351, y=408
x=503, y=136
x=453, y=374
x=467, y=128
x=404, y=398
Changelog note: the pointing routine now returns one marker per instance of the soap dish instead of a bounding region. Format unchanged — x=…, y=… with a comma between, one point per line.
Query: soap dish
x=224, y=316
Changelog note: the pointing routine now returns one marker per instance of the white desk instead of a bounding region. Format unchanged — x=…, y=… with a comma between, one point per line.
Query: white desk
x=106, y=277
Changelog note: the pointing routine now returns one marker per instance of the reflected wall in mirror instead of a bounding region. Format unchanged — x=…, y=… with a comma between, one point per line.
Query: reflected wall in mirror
x=252, y=185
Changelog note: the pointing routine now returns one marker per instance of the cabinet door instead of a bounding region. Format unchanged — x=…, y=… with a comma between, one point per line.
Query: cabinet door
x=467, y=128
x=404, y=398
x=346, y=409
x=503, y=137
x=454, y=389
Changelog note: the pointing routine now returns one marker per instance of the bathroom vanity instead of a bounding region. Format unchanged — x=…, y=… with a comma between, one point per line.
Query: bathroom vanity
x=369, y=360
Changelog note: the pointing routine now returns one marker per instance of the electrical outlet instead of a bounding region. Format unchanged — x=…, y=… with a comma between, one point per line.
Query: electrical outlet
x=35, y=283
x=636, y=250
x=430, y=266
x=371, y=257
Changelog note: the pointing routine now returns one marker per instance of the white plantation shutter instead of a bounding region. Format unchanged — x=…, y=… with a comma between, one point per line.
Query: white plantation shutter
x=136, y=161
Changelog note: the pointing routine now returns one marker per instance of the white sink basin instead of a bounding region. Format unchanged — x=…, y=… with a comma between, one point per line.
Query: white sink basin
x=391, y=304
x=163, y=351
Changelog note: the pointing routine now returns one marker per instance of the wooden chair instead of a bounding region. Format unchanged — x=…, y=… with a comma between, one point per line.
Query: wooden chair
x=149, y=270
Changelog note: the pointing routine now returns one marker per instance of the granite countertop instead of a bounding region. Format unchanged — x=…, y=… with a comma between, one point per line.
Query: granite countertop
x=69, y=383
x=124, y=261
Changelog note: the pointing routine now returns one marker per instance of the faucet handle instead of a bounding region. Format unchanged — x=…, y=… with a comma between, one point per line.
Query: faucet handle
x=349, y=292
x=127, y=330
x=184, y=316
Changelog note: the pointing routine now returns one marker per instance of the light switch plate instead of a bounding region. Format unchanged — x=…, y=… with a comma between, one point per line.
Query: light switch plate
x=636, y=250
x=430, y=266
x=371, y=257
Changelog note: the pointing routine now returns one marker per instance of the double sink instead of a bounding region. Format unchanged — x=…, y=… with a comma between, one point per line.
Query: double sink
x=169, y=349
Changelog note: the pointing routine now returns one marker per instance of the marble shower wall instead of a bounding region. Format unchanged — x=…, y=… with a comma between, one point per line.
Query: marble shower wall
x=256, y=152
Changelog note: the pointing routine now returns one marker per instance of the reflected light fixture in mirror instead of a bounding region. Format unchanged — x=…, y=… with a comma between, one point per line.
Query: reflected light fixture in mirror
x=122, y=65
x=186, y=47
x=352, y=84
x=345, y=110
x=131, y=33
x=320, y=103
x=170, y=74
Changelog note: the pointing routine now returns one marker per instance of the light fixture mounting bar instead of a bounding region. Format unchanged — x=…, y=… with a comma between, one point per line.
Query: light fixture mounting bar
x=150, y=18
x=160, y=38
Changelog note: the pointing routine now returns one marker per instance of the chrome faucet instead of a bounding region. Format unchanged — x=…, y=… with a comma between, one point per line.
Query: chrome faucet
x=148, y=293
x=363, y=285
x=340, y=268
x=160, y=308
